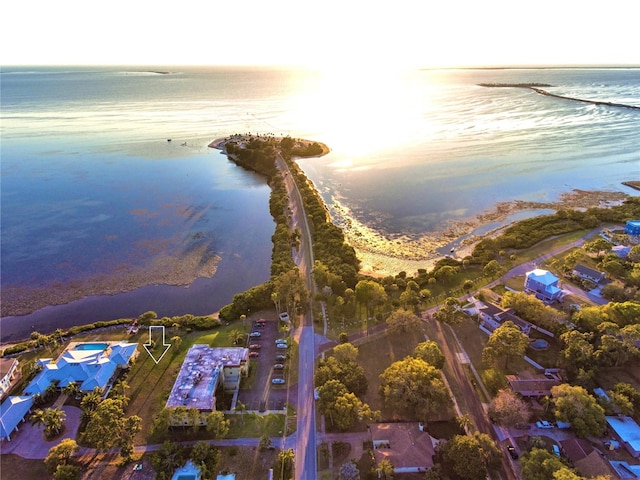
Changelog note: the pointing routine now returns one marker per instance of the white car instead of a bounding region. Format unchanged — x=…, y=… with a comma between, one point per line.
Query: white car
x=255, y=334
x=281, y=345
x=544, y=424
x=277, y=381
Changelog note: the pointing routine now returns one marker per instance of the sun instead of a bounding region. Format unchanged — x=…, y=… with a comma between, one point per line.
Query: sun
x=358, y=111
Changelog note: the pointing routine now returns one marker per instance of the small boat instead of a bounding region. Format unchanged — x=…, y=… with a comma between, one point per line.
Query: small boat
x=168, y=139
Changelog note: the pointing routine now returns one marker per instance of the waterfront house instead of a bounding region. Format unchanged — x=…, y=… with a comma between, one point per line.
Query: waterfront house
x=89, y=365
x=8, y=373
x=205, y=369
x=12, y=412
x=543, y=284
x=627, y=431
x=588, y=273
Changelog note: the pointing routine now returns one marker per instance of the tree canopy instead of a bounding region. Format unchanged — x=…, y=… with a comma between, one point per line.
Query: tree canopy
x=506, y=341
x=414, y=386
x=573, y=404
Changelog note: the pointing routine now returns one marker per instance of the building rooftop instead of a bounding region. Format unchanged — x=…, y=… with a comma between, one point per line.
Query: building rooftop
x=404, y=444
x=627, y=429
x=90, y=365
x=542, y=276
x=12, y=411
x=199, y=375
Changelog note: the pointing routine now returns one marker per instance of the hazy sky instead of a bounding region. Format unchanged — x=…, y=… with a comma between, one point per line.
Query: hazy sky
x=322, y=34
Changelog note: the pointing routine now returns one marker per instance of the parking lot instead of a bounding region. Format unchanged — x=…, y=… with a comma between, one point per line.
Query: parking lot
x=269, y=362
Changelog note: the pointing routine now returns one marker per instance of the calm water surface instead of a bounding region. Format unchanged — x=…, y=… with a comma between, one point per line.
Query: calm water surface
x=90, y=183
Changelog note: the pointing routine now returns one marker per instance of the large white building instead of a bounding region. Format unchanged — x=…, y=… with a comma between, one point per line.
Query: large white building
x=203, y=370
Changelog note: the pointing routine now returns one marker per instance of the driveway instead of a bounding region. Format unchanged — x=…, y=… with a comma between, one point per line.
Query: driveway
x=29, y=441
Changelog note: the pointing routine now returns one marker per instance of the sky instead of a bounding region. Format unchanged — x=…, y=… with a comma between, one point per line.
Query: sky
x=346, y=34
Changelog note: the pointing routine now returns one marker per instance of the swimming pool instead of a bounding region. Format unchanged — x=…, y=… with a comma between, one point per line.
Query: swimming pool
x=540, y=344
x=92, y=346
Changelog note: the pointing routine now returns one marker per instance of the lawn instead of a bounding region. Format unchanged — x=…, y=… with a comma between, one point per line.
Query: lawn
x=377, y=354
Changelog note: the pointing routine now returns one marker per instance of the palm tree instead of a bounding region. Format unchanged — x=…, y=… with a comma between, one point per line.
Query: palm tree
x=242, y=408
x=72, y=389
x=54, y=421
x=37, y=418
x=51, y=418
x=236, y=336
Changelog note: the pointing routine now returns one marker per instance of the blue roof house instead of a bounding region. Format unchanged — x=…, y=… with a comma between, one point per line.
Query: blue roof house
x=632, y=227
x=543, y=284
x=90, y=365
x=188, y=472
x=12, y=412
x=628, y=431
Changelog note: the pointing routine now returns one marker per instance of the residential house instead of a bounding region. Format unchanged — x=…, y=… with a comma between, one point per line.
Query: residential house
x=89, y=365
x=622, y=251
x=187, y=472
x=627, y=431
x=587, y=273
x=8, y=373
x=203, y=370
x=585, y=458
x=535, y=386
x=632, y=227
x=491, y=316
x=12, y=412
x=405, y=445
x=543, y=284
x=624, y=470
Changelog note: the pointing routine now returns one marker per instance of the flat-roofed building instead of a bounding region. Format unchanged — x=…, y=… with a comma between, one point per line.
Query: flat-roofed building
x=203, y=370
x=628, y=431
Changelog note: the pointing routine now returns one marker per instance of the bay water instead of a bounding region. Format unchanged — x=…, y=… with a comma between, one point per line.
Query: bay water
x=92, y=187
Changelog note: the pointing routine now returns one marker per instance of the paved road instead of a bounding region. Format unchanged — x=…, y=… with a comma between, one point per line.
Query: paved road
x=306, y=458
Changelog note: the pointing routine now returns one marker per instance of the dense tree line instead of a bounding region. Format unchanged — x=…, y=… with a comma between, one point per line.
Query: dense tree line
x=527, y=233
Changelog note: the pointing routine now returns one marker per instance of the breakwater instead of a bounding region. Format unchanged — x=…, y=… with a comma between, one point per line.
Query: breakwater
x=536, y=88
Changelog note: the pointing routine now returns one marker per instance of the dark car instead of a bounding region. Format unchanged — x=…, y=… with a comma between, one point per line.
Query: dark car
x=512, y=452
x=281, y=358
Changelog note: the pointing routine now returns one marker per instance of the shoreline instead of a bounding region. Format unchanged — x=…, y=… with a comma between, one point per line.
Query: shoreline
x=380, y=254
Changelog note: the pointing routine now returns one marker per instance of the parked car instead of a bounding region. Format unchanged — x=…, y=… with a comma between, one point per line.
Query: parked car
x=281, y=340
x=254, y=354
x=281, y=358
x=281, y=345
x=255, y=346
x=255, y=334
x=556, y=450
x=278, y=366
x=544, y=424
x=284, y=316
x=512, y=452
x=277, y=381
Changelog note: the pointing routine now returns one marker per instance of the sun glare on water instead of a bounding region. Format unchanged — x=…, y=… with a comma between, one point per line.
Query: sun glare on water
x=359, y=112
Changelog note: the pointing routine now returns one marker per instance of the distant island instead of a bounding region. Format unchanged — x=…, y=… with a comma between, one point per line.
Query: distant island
x=536, y=87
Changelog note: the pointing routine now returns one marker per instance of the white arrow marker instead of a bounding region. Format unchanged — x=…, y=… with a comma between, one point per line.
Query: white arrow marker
x=147, y=346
